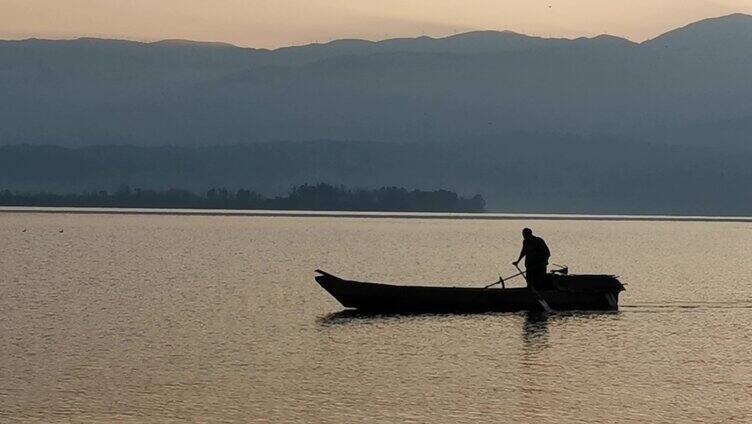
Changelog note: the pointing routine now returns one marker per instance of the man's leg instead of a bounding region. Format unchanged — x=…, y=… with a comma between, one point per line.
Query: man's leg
x=536, y=277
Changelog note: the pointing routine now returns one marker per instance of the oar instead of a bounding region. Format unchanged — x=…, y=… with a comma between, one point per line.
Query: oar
x=504, y=280
x=537, y=295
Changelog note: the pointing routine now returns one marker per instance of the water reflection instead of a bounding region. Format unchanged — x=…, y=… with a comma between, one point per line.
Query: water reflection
x=535, y=325
x=535, y=328
x=354, y=316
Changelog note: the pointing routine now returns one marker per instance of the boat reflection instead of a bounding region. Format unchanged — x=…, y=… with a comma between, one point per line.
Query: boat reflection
x=354, y=316
x=535, y=326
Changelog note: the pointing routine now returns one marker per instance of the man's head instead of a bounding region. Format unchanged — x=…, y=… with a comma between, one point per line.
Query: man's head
x=527, y=233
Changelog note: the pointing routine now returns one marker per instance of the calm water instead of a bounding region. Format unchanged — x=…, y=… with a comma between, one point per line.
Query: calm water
x=127, y=318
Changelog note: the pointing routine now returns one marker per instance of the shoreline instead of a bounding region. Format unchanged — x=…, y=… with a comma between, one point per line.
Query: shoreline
x=383, y=215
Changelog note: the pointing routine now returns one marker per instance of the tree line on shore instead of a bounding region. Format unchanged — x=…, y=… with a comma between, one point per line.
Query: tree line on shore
x=320, y=196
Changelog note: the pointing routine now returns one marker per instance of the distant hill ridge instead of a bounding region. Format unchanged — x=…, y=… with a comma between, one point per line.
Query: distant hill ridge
x=733, y=24
x=489, y=37
x=91, y=91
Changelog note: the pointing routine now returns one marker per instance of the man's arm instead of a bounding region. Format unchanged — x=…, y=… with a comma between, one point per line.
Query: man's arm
x=522, y=255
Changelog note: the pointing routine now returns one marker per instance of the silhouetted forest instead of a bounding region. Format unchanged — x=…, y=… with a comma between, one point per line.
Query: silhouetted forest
x=516, y=172
x=321, y=196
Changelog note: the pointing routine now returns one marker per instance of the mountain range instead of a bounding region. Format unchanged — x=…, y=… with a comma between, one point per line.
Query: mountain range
x=587, y=125
x=104, y=92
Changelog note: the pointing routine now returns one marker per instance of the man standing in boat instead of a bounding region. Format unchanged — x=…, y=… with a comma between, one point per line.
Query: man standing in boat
x=536, y=255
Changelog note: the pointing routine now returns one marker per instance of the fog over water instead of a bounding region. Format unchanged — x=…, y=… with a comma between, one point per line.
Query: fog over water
x=166, y=318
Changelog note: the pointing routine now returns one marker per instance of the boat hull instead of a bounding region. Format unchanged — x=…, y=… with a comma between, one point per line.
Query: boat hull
x=589, y=293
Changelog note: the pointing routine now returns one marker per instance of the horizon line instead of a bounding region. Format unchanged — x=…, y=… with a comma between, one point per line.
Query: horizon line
x=219, y=43
x=504, y=216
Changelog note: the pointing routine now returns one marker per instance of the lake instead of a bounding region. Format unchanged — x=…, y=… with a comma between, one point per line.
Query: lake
x=175, y=318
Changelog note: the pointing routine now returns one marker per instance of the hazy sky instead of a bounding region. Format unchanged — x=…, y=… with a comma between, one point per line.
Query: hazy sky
x=274, y=23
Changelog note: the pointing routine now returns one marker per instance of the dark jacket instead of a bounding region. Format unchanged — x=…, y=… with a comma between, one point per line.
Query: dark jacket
x=536, y=252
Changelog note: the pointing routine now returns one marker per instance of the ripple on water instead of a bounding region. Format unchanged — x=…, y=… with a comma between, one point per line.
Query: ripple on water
x=125, y=318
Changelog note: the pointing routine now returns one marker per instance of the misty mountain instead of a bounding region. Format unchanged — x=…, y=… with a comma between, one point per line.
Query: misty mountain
x=725, y=35
x=515, y=172
x=88, y=91
x=477, y=42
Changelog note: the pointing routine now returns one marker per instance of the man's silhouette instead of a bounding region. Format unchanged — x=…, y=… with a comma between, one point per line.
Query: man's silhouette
x=536, y=255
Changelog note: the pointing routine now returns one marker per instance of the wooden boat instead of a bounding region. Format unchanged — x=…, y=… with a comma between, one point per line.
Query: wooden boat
x=566, y=293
